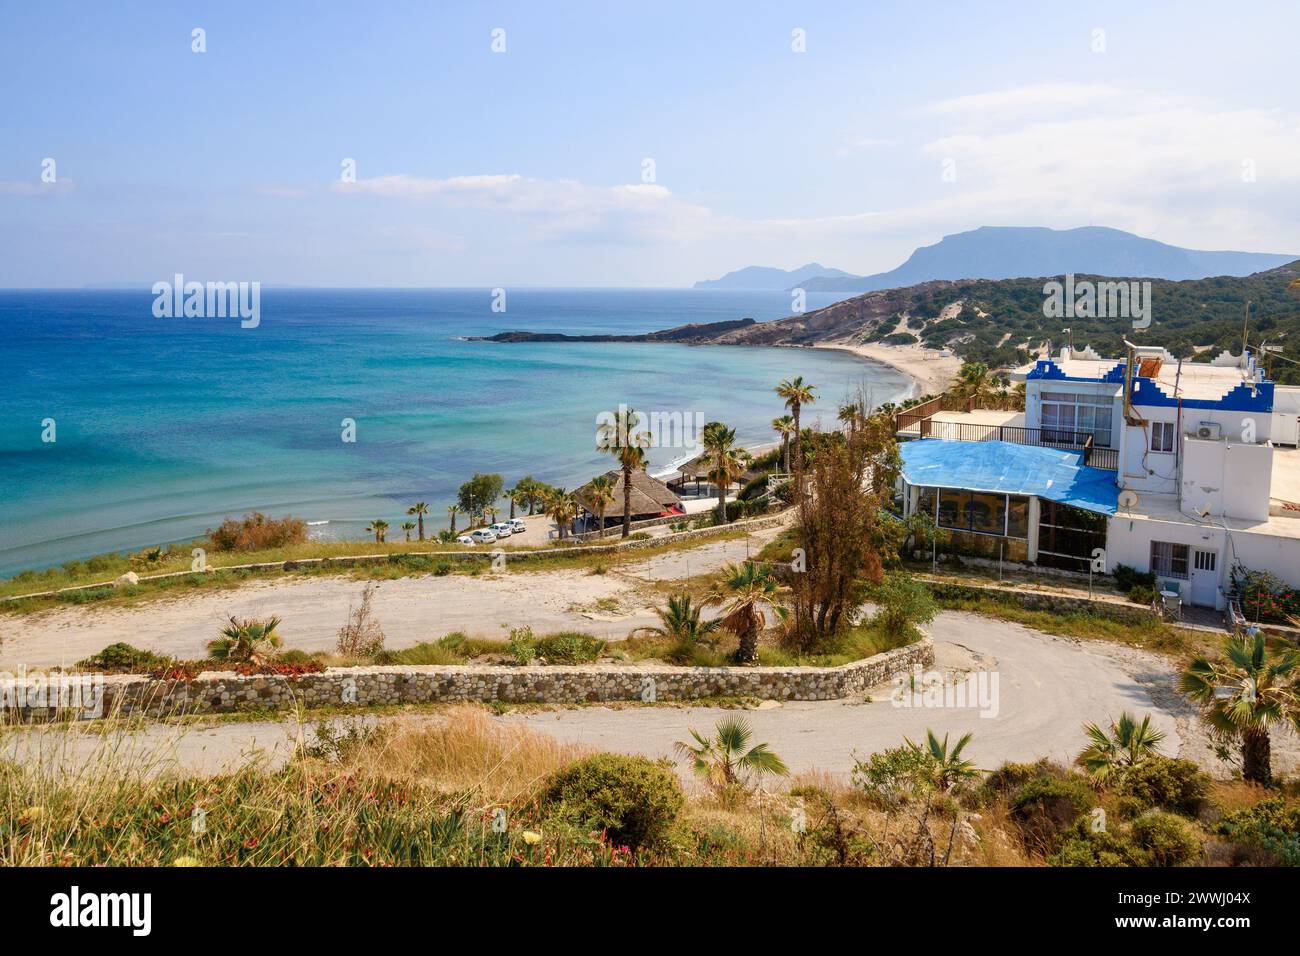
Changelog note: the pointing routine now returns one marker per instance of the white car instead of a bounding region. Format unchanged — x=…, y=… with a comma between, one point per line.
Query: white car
x=517, y=525
x=502, y=529
x=483, y=536
x=464, y=539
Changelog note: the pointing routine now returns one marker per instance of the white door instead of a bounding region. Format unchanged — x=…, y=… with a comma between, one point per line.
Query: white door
x=1205, y=577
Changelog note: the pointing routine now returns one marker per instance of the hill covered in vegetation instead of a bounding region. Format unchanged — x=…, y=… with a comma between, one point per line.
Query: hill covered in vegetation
x=1003, y=322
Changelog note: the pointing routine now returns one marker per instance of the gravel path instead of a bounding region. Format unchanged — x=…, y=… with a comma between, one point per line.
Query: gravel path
x=409, y=610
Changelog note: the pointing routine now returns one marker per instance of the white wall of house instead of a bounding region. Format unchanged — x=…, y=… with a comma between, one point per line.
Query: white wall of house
x=1285, y=420
x=1228, y=478
x=1128, y=541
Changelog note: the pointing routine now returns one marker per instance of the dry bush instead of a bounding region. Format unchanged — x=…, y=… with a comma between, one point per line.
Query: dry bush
x=465, y=749
x=839, y=531
x=257, y=532
x=361, y=636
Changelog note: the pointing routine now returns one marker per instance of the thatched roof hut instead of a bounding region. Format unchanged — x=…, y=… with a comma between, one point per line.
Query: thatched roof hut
x=651, y=498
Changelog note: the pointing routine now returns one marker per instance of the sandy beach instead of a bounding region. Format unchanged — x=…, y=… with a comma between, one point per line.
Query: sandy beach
x=933, y=370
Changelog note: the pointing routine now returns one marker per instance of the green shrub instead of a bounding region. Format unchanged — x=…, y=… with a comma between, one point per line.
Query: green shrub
x=1141, y=594
x=893, y=776
x=903, y=604
x=1167, y=840
x=1012, y=776
x=1126, y=578
x=122, y=658
x=1083, y=846
x=522, y=646
x=1167, y=783
x=569, y=647
x=634, y=800
x=754, y=488
x=1045, y=808
x=1273, y=824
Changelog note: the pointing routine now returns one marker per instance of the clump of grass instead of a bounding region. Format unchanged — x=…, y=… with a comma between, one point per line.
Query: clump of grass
x=465, y=750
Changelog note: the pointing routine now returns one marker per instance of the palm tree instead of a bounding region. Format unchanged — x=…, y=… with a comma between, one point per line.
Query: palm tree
x=452, y=511
x=246, y=641
x=947, y=767
x=726, y=461
x=680, y=622
x=797, y=395
x=419, y=509
x=378, y=528
x=850, y=414
x=408, y=527
x=627, y=441
x=726, y=758
x=514, y=496
x=531, y=489
x=562, y=508
x=1246, y=695
x=1111, y=753
x=785, y=428
x=975, y=383
x=744, y=591
x=490, y=514
x=600, y=491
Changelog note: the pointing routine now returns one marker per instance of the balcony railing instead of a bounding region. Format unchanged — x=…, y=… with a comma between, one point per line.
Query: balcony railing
x=1064, y=439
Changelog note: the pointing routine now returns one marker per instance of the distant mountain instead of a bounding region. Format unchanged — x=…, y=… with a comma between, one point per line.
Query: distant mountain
x=1001, y=321
x=765, y=278
x=1011, y=252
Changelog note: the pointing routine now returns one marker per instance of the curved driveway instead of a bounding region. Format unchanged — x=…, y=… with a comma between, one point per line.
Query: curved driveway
x=1048, y=687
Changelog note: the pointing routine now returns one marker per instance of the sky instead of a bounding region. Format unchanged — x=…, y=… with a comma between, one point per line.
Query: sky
x=631, y=145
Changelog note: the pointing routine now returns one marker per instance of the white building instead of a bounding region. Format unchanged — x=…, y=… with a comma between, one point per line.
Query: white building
x=1206, y=475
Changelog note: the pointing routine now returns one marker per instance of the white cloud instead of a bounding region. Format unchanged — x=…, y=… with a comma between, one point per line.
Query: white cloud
x=1059, y=155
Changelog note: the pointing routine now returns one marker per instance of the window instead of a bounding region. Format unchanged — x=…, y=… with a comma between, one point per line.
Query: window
x=1070, y=417
x=1162, y=436
x=1205, y=560
x=1169, y=560
x=980, y=512
x=1068, y=536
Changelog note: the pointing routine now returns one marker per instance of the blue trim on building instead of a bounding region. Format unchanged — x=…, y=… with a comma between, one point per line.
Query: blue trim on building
x=1146, y=391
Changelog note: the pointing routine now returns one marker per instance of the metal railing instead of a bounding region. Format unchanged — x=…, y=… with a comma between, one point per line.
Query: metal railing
x=1065, y=439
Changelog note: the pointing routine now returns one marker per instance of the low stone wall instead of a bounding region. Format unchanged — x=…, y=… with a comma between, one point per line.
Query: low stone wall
x=215, y=693
x=1041, y=600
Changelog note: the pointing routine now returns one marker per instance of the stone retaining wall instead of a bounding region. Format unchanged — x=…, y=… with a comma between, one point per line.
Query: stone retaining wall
x=1041, y=600
x=213, y=693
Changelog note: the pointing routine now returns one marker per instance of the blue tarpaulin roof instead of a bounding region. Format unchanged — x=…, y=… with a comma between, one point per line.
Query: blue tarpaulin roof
x=1001, y=466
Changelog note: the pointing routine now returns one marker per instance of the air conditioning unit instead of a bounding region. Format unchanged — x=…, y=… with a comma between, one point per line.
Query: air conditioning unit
x=1209, y=431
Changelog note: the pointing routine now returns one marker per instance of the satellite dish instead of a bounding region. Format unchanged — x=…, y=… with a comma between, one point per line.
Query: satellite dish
x=1127, y=499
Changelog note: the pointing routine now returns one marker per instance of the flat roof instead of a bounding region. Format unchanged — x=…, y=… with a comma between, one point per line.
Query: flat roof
x=1164, y=507
x=1285, y=484
x=1005, y=467
x=1197, y=380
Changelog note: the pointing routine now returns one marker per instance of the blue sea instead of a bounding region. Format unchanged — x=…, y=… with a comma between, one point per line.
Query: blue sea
x=163, y=427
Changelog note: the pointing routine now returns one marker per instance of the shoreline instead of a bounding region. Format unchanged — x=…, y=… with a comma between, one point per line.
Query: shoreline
x=931, y=371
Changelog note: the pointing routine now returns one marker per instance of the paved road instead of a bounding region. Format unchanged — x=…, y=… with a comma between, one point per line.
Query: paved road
x=1048, y=687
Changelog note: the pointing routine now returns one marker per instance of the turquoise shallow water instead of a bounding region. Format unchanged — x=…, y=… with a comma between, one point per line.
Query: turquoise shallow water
x=166, y=426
